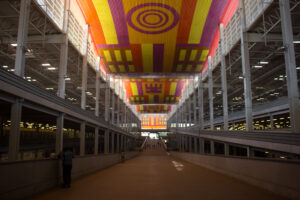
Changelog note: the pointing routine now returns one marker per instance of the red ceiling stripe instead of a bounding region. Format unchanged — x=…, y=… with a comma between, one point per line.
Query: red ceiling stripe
x=185, y=20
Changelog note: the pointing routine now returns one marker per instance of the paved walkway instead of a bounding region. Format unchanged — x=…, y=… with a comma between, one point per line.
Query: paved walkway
x=157, y=176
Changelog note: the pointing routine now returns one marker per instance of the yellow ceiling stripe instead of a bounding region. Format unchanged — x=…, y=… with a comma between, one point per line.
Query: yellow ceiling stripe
x=203, y=56
x=198, y=68
x=173, y=88
x=182, y=54
x=118, y=55
x=193, y=54
x=122, y=68
x=106, y=20
x=107, y=55
x=131, y=68
x=147, y=52
x=200, y=14
x=179, y=68
x=188, y=68
x=134, y=89
x=128, y=55
x=112, y=68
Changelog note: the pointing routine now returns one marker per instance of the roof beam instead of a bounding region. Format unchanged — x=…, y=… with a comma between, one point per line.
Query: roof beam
x=50, y=39
x=259, y=37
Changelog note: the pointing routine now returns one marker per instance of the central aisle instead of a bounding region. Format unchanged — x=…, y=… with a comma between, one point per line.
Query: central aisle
x=155, y=175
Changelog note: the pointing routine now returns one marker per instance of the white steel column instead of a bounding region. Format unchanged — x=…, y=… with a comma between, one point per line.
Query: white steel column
x=290, y=64
x=107, y=98
x=84, y=70
x=59, y=133
x=97, y=88
x=22, y=37
x=119, y=104
x=224, y=80
x=210, y=94
x=176, y=117
x=200, y=102
x=112, y=142
x=96, y=141
x=194, y=104
x=14, y=132
x=63, y=60
x=189, y=109
x=246, y=68
x=106, y=141
x=118, y=144
x=82, y=138
x=113, y=107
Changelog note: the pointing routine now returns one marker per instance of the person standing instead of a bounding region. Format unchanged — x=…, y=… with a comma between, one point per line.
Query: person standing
x=67, y=166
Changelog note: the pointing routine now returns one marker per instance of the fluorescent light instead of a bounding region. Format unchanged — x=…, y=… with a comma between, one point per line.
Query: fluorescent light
x=14, y=44
x=12, y=70
x=257, y=66
x=51, y=68
x=67, y=79
x=28, y=77
x=49, y=88
x=296, y=42
x=241, y=77
x=33, y=80
x=296, y=67
x=263, y=62
x=5, y=66
x=46, y=64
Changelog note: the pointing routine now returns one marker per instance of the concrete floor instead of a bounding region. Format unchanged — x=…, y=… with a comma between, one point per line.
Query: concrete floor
x=156, y=175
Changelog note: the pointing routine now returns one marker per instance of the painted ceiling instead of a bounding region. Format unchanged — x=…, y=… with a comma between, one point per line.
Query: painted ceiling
x=153, y=121
x=153, y=91
x=151, y=37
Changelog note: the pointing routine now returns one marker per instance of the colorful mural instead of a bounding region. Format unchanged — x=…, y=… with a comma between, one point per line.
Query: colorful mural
x=154, y=109
x=153, y=91
x=153, y=36
x=154, y=121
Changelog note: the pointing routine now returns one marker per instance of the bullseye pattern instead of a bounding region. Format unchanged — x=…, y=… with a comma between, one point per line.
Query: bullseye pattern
x=152, y=18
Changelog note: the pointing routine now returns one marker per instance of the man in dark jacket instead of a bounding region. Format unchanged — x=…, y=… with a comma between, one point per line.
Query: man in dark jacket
x=67, y=166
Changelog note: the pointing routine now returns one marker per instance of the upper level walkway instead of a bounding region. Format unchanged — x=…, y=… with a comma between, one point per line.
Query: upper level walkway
x=156, y=174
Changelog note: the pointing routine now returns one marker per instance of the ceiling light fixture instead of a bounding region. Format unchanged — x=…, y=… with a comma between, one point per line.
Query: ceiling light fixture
x=46, y=64
x=14, y=44
x=263, y=62
x=51, y=68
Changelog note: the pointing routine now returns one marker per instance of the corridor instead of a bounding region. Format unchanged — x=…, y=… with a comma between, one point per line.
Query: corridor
x=155, y=174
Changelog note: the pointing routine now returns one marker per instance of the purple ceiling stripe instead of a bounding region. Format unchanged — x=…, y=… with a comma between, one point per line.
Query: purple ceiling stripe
x=112, y=45
x=156, y=99
x=158, y=57
x=118, y=14
x=189, y=63
x=212, y=21
x=118, y=63
x=140, y=88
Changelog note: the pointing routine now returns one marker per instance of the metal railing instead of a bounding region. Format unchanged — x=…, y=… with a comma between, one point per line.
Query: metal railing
x=34, y=94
